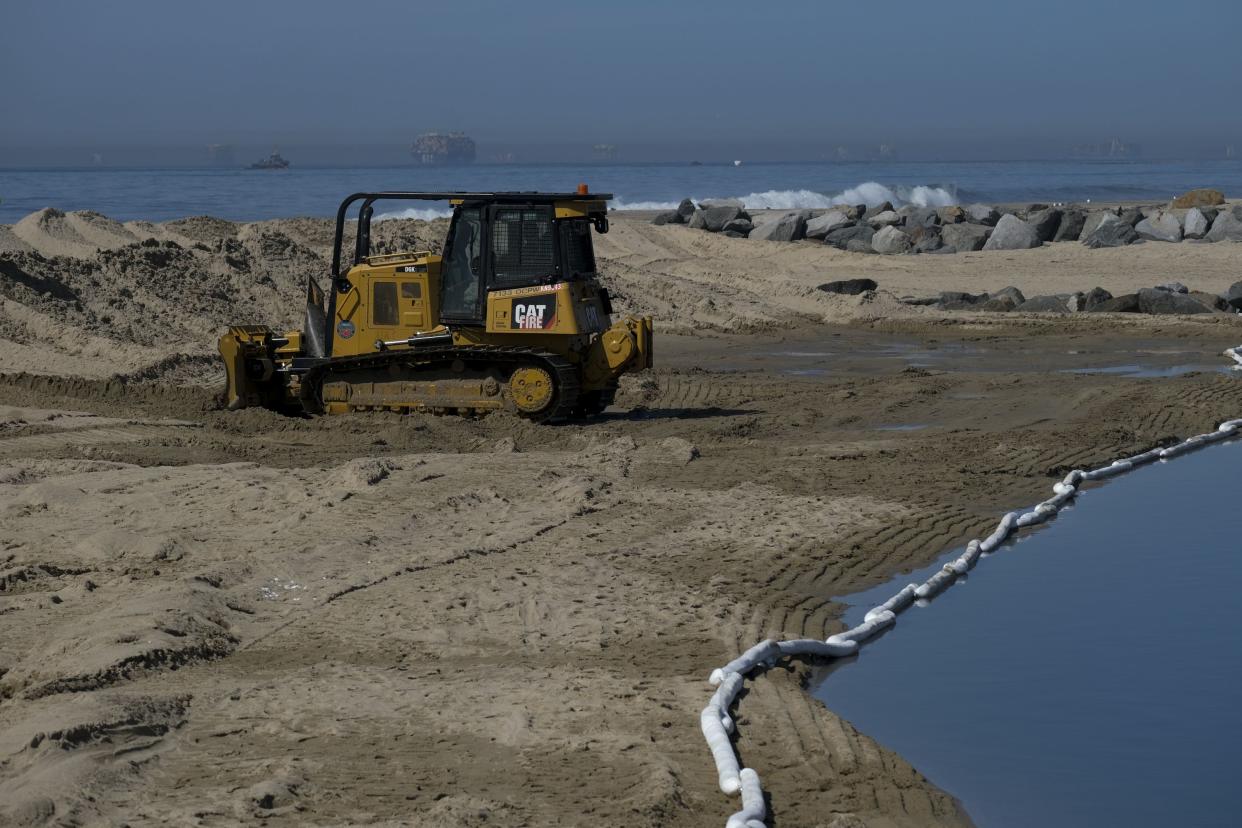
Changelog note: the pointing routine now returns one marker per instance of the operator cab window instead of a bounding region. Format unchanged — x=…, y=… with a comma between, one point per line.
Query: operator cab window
x=522, y=247
x=384, y=303
x=579, y=255
x=463, y=266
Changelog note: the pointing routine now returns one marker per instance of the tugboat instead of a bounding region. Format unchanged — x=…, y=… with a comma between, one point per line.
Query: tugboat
x=272, y=162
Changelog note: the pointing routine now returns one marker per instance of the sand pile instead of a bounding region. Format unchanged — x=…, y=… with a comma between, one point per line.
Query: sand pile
x=83, y=294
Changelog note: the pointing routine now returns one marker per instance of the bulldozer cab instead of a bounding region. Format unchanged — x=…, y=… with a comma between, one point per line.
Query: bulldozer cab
x=497, y=244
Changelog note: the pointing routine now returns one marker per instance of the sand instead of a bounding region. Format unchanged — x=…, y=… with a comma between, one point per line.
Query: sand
x=209, y=617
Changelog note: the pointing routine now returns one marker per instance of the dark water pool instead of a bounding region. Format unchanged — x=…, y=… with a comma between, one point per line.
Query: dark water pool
x=1089, y=674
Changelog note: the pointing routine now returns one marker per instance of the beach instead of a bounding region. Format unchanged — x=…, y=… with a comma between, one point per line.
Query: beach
x=212, y=616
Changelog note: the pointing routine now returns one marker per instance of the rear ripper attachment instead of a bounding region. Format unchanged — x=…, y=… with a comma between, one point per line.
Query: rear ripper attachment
x=512, y=316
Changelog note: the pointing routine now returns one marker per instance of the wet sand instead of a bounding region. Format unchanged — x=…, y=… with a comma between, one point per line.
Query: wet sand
x=209, y=616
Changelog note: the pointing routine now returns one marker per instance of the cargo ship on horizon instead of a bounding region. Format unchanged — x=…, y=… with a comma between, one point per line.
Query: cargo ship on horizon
x=442, y=148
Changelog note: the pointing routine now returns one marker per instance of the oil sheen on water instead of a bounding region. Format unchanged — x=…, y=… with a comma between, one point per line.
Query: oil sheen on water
x=1089, y=674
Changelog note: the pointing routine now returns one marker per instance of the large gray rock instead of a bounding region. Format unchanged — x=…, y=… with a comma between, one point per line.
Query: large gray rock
x=983, y=214
x=890, y=240
x=842, y=236
x=1045, y=304
x=926, y=238
x=884, y=219
x=1111, y=232
x=859, y=246
x=849, y=287
x=821, y=226
x=1127, y=303
x=1173, y=287
x=965, y=237
x=1131, y=215
x=883, y=207
x=789, y=227
x=1195, y=224
x=1071, y=225
x=1234, y=296
x=669, y=217
x=1046, y=223
x=959, y=300
x=1012, y=233
x=1211, y=300
x=721, y=202
x=739, y=227
x=1094, y=298
x=697, y=220
x=920, y=216
x=1011, y=293
x=1226, y=227
x=1093, y=220
x=1160, y=226
x=685, y=209
x=1151, y=300
x=715, y=218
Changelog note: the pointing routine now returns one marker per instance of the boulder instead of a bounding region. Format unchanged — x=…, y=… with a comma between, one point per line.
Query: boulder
x=859, y=246
x=697, y=220
x=1195, y=224
x=1211, y=300
x=884, y=207
x=965, y=237
x=1045, y=304
x=1071, y=225
x=1111, y=232
x=721, y=202
x=920, y=216
x=983, y=214
x=999, y=304
x=1093, y=221
x=849, y=287
x=1012, y=233
x=669, y=217
x=789, y=227
x=1173, y=287
x=1160, y=226
x=844, y=235
x=738, y=227
x=1094, y=298
x=1151, y=300
x=1076, y=301
x=716, y=217
x=733, y=234
x=926, y=239
x=1046, y=223
x=1011, y=293
x=951, y=215
x=959, y=300
x=1226, y=227
x=884, y=219
x=1233, y=296
x=1131, y=215
x=821, y=226
x=889, y=240
x=1126, y=303
x=685, y=210
x=1202, y=197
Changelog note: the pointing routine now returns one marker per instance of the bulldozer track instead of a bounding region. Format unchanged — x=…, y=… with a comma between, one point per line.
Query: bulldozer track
x=568, y=386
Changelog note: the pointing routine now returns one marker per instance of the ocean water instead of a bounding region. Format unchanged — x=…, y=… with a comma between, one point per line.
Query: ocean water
x=1086, y=675
x=248, y=195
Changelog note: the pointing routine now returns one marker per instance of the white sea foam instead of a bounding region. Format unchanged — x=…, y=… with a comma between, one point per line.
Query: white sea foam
x=870, y=193
x=423, y=213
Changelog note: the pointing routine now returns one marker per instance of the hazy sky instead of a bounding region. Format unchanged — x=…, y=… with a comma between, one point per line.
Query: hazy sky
x=679, y=79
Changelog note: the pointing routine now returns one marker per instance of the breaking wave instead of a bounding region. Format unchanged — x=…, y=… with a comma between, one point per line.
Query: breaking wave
x=870, y=193
x=422, y=213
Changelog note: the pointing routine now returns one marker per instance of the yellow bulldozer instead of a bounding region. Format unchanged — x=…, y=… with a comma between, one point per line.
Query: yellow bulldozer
x=511, y=316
